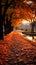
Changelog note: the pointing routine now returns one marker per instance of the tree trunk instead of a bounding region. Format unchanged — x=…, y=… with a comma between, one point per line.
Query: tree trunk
x=1, y=29
x=32, y=30
x=1, y=22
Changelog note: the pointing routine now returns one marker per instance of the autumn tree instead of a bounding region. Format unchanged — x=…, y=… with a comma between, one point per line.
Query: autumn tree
x=18, y=9
x=2, y=17
x=4, y=5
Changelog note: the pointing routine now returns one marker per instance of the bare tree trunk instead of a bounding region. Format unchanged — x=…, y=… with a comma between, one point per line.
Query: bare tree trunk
x=32, y=30
x=1, y=23
x=1, y=30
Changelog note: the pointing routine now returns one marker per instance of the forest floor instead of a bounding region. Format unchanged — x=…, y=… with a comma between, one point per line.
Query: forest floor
x=16, y=49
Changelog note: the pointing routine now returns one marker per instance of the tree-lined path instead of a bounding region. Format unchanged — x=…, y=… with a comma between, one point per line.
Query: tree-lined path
x=16, y=49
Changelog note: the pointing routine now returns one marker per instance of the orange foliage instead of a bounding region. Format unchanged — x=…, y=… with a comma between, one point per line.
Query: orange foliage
x=16, y=22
